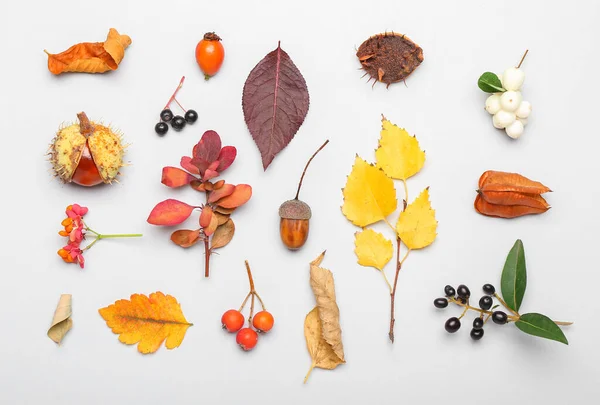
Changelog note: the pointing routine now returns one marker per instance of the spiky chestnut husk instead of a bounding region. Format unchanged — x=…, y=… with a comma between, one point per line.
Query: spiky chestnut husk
x=389, y=57
x=294, y=223
x=87, y=153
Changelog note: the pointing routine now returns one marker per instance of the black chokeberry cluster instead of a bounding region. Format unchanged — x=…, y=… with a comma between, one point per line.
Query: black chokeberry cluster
x=177, y=121
x=461, y=296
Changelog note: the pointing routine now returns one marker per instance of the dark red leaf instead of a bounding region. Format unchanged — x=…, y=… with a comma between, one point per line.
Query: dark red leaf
x=170, y=212
x=201, y=164
x=209, y=174
x=226, y=157
x=175, y=177
x=186, y=163
x=275, y=102
x=209, y=147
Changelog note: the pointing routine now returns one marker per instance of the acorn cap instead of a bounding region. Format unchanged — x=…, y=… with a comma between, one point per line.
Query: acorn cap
x=294, y=209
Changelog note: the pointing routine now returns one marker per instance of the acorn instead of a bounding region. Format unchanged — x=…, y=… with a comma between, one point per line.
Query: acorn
x=295, y=216
x=87, y=153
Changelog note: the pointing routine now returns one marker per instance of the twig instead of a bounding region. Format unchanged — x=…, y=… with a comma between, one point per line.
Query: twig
x=306, y=167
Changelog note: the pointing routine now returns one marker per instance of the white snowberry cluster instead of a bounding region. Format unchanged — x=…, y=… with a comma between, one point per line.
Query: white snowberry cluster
x=508, y=108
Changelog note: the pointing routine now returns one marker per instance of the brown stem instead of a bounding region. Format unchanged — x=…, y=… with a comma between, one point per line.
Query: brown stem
x=306, y=167
x=523, y=58
x=85, y=126
x=250, y=280
x=393, y=293
x=206, y=258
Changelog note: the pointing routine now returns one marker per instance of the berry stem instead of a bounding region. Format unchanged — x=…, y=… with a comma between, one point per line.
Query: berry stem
x=175, y=93
x=262, y=304
x=499, y=298
x=245, y=301
x=180, y=106
x=121, y=235
x=523, y=58
x=306, y=167
x=250, y=280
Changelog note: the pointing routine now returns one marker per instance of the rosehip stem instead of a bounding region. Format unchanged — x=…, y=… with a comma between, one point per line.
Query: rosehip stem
x=175, y=93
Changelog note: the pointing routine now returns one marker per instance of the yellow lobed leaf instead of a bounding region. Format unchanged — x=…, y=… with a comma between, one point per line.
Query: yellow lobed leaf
x=148, y=321
x=417, y=224
x=372, y=249
x=398, y=154
x=369, y=195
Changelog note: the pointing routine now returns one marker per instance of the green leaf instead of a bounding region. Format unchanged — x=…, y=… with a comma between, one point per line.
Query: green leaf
x=514, y=277
x=490, y=83
x=542, y=326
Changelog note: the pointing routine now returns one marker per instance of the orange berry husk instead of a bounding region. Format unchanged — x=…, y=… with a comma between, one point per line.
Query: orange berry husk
x=63, y=253
x=514, y=198
x=503, y=181
x=69, y=228
x=63, y=233
x=504, y=211
x=66, y=221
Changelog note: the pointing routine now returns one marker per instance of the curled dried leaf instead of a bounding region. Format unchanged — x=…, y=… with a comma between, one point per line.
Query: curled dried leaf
x=61, y=322
x=223, y=235
x=186, y=237
x=91, y=57
x=321, y=282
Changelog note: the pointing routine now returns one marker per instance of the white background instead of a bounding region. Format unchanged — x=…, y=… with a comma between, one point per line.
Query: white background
x=440, y=103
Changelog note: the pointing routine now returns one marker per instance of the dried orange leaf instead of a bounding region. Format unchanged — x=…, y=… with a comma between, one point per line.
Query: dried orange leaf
x=224, y=191
x=212, y=226
x=369, y=195
x=223, y=235
x=91, y=57
x=222, y=218
x=185, y=237
x=240, y=196
x=61, y=322
x=147, y=321
x=321, y=282
x=492, y=180
x=170, y=212
x=206, y=216
x=175, y=177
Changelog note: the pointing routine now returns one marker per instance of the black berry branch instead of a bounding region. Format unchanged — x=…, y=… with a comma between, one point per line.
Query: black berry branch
x=513, y=285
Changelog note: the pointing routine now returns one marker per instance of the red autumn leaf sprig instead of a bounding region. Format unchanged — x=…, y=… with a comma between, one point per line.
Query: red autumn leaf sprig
x=216, y=228
x=75, y=231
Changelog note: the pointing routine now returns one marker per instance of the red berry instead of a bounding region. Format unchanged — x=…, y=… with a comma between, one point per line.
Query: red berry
x=247, y=338
x=263, y=321
x=232, y=320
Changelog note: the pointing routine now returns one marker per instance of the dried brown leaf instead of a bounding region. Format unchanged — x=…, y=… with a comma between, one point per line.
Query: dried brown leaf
x=223, y=235
x=186, y=237
x=324, y=340
x=321, y=352
x=61, y=322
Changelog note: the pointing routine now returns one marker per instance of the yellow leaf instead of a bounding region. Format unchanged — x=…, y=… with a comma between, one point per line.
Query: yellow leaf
x=369, y=195
x=399, y=154
x=372, y=249
x=148, y=321
x=417, y=225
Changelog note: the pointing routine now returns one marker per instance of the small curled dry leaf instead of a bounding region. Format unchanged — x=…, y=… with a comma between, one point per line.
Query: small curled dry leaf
x=327, y=351
x=223, y=235
x=91, y=57
x=186, y=237
x=61, y=322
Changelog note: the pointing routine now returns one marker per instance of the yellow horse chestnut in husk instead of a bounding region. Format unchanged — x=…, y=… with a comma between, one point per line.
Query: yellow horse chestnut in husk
x=87, y=153
x=295, y=215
